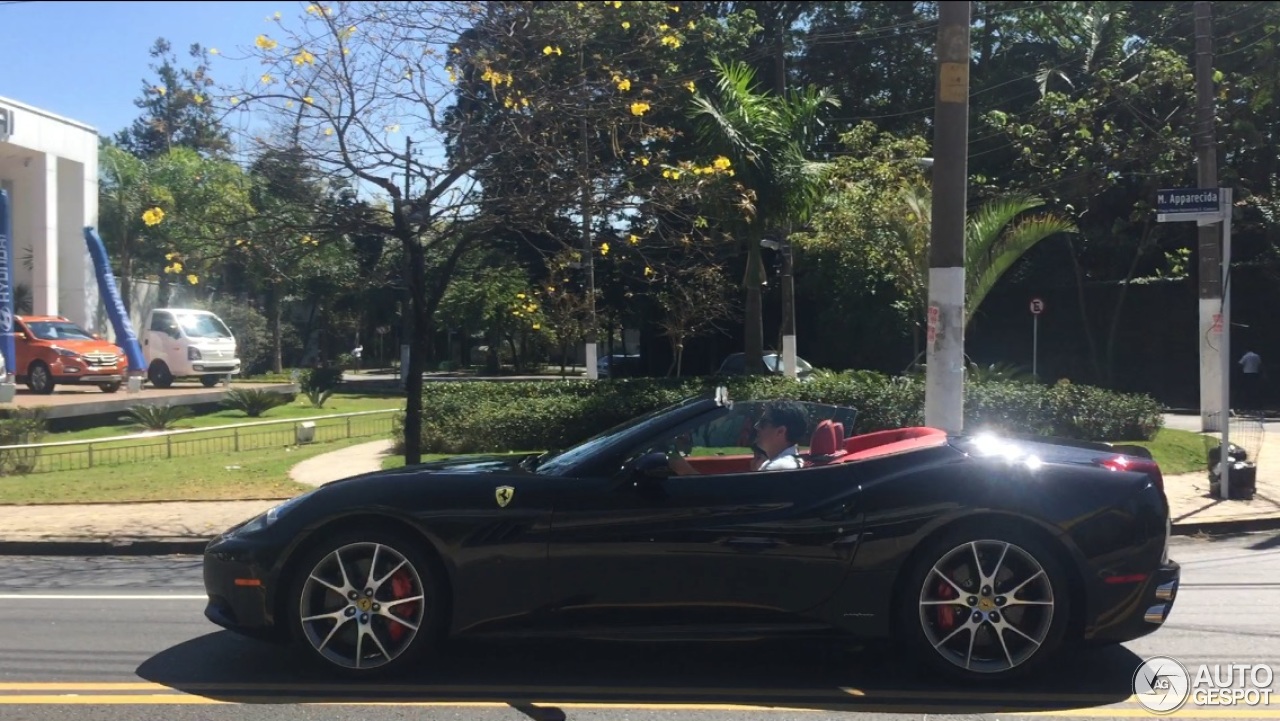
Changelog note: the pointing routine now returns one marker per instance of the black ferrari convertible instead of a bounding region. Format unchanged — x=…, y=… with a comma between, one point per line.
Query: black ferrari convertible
x=984, y=555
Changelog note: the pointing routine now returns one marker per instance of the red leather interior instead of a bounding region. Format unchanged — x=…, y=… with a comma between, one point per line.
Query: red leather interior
x=827, y=443
x=711, y=465
x=898, y=440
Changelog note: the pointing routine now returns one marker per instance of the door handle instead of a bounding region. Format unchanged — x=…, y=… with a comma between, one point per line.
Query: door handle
x=751, y=544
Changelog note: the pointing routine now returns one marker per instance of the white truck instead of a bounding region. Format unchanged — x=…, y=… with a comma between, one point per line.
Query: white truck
x=184, y=343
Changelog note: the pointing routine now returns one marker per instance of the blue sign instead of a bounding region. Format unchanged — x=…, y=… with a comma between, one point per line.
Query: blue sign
x=6, y=284
x=1181, y=201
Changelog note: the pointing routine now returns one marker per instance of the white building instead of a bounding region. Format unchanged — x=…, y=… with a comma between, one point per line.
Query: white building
x=49, y=166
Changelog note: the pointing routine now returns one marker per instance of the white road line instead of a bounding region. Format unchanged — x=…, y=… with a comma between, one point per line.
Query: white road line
x=100, y=597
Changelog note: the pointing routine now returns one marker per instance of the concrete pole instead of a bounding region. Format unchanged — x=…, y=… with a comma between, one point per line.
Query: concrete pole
x=944, y=387
x=1213, y=405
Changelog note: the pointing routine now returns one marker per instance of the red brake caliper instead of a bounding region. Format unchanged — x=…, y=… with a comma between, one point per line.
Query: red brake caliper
x=401, y=587
x=946, y=614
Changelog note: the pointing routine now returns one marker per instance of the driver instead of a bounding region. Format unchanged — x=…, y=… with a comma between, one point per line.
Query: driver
x=780, y=429
x=778, y=432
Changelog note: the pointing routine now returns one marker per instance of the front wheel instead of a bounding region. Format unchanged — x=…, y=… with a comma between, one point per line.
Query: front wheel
x=109, y=387
x=986, y=605
x=160, y=375
x=210, y=380
x=365, y=603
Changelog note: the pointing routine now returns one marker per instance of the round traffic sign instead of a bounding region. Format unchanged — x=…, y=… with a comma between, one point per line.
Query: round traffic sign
x=1037, y=306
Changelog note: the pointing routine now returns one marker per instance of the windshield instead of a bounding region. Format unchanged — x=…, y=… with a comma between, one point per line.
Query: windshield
x=202, y=325
x=58, y=330
x=556, y=463
x=774, y=363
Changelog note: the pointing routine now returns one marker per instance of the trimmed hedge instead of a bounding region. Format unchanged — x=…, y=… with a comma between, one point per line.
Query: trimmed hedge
x=499, y=416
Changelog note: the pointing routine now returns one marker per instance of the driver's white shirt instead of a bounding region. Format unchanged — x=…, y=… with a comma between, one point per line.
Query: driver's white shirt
x=787, y=460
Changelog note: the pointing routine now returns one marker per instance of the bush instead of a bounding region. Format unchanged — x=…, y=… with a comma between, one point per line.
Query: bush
x=479, y=416
x=254, y=402
x=320, y=379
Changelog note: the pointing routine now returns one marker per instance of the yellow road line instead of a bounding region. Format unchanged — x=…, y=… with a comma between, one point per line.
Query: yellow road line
x=328, y=689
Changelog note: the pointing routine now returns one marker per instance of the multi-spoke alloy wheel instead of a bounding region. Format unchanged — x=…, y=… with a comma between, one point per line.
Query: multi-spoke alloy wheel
x=364, y=603
x=987, y=605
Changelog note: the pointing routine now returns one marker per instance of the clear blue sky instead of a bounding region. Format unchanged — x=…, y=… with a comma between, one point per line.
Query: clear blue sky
x=87, y=60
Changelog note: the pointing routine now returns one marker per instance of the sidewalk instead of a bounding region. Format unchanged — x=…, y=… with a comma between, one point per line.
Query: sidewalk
x=186, y=526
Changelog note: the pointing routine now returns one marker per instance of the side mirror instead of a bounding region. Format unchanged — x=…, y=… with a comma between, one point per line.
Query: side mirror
x=653, y=466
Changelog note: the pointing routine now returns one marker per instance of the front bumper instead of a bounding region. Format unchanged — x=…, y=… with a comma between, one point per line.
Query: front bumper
x=241, y=591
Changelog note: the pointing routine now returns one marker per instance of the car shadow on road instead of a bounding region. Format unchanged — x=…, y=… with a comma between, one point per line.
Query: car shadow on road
x=800, y=675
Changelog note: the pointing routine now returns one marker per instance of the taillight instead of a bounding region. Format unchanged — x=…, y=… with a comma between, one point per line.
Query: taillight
x=1136, y=465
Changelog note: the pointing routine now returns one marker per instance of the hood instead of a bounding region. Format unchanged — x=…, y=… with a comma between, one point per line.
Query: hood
x=477, y=465
x=86, y=346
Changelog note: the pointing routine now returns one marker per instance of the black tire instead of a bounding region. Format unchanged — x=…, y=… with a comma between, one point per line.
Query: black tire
x=410, y=647
x=210, y=380
x=109, y=387
x=40, y=378
x=1027, y=557
x=159, y=374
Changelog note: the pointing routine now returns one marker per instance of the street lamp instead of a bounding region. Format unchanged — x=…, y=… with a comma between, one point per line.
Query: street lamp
x=788, y=303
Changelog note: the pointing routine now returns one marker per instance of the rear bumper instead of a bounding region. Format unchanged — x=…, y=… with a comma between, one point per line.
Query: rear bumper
x=1147, y=609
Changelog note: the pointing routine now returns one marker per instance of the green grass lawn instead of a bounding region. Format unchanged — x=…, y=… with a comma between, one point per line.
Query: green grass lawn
x=223, y=477
x=300, y=408
x=1176, y=451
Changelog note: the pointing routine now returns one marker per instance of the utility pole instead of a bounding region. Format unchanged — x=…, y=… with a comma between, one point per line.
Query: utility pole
x=944, y=385
x=593, y=372
x=788, y=280
x=1213, y=406
x=406, y=302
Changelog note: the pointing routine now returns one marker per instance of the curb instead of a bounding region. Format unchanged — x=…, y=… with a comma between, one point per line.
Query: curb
x=1227, y=528
x=95, y=547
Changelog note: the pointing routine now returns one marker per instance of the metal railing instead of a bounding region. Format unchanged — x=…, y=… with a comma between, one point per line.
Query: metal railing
x=157, y=445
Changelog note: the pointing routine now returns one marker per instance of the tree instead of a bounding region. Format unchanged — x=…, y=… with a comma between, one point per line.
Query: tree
x=765, y=137
x=694, y=301
x=177, y=108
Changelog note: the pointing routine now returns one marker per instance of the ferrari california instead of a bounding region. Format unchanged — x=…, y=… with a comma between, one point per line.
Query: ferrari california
x=984, y=555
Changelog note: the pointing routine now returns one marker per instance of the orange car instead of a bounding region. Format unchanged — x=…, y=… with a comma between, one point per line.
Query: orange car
x=53, y=350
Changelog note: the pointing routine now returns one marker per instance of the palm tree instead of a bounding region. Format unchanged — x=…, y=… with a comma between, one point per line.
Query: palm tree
x=765, y=136
x=995, y=238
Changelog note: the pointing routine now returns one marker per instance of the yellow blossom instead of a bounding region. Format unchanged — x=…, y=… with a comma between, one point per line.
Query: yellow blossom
x=346, y=34
x=604, y=249
x=663, y=27
x=277, y=15
x=241, y=241
x=692, y=88
x=537, y=326
x=624, y=85
x=639, y=108
x=548, y=50
x=213, y=51
x=674, y=8
x=159, y=89
x=192, y=279
x=235, y=100
x=453, y=78
x=692, y=25
x=198, y=98
x=626, y=24
x=648, y=271
x=721, y=163
x=153, y=216
x=309, y=100
x=328, y=131
x=304, y=58
x=266, y=79
x=671, y=41
x=265, y=43
x=170, y=256
x=635, y=239
x=617, y=3
x=521, y=296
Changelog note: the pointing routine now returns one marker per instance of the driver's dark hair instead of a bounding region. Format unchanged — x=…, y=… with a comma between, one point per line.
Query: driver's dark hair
x=791, y=416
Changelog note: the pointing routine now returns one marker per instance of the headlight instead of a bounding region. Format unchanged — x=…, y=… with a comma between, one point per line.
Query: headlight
x=193, y=353
x=65, y=353
x=265, y=520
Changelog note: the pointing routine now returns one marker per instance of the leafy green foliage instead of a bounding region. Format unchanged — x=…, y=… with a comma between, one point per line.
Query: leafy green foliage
x=157, y=417
x=477, y=417
x=320, y=379
x=254, y=402
x=317, y=397
x=22, y=427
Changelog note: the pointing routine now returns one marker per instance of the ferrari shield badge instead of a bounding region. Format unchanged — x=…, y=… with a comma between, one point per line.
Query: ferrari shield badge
x=504, y=495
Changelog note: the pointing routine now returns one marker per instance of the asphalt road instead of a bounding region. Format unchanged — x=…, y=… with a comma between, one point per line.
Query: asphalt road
x=123, y=639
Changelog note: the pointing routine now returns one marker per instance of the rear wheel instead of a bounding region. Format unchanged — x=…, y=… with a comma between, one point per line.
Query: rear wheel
x=986, y=604
x=160, y=375
x=40, y=378
x=210, y=380
x=365, y=603
x=109, y=387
